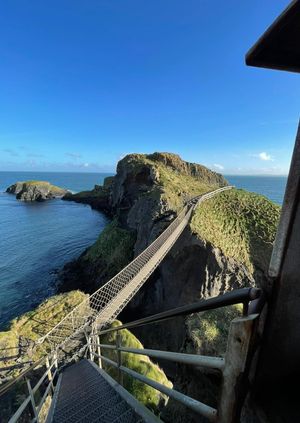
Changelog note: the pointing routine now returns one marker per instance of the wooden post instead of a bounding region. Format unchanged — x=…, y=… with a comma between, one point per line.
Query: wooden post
x=119, y=357
x=236, y=360
x=36, y=416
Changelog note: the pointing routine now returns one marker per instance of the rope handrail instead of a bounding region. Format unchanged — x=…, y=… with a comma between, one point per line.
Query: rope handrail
x=107, y=302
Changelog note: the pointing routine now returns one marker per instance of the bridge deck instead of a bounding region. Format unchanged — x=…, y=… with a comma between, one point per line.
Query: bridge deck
x=85, y=396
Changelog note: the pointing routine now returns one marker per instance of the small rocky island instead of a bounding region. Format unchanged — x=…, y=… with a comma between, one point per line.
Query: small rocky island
x=36, y=191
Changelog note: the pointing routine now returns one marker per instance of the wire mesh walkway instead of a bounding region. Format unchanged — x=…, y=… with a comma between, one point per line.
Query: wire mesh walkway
x=104, y=305
x=84, y=396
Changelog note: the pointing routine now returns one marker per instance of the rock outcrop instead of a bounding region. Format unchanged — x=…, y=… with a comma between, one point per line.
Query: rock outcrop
x=227, y=246
x=97, y=198
x=144, y=196
x=35, y=191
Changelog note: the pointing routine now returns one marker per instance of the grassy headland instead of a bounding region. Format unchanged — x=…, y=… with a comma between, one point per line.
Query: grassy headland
x=242, y=224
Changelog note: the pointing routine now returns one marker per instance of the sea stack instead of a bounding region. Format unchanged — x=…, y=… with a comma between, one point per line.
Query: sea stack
x=35, y=191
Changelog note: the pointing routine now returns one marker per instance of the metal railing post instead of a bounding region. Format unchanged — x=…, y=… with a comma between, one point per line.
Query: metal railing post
x=36, y=416
x=49, y=374
x=239, y=344
x=88, y=341
x=99, y=351
x=119, y=357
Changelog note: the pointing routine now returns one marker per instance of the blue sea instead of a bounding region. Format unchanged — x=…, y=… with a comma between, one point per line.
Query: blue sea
x=37, y=239
x=272, y=187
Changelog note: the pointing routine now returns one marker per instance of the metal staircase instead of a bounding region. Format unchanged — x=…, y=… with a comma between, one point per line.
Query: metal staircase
x=84, y=396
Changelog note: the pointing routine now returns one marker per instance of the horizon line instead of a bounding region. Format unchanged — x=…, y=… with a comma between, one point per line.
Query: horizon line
x=109, y=172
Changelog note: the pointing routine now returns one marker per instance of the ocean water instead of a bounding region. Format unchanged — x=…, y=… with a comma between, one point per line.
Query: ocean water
x=37, y=239
x=272, y=187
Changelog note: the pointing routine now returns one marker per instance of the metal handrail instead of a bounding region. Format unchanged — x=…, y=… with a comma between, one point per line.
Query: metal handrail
x=195, y=405
x=190, y=359
x=32, y=390
x=243, y=295
x=4, y=388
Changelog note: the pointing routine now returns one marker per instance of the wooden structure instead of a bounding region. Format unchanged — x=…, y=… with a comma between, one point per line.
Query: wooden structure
x=279, y=362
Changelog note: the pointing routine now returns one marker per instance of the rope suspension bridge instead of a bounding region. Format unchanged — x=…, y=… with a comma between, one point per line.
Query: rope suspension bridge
x=104, y=305
x=84, y=392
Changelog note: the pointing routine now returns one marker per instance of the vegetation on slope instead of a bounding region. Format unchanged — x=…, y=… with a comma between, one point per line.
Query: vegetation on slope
x=242, y=224
x=208, y=331
x=51, y=187
x=175, y=180
x=113, y=248
x=178, y=188
x=34, y=324
x=150, y=397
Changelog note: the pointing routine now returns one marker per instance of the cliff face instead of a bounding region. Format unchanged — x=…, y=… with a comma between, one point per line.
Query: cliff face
x=226, y=246
x=143, y=197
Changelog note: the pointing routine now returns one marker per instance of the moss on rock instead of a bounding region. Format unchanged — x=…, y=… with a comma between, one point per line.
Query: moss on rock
x=242, y=224
x=113, y=248
x=150, y=397
x=35, y=190
x=208, y=331
x=32, y=325
x=169, y=177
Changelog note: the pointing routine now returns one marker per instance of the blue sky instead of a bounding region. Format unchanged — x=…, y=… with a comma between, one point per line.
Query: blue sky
x=83, y=83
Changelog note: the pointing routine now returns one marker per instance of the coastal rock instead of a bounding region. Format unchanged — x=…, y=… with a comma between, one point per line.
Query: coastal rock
x=146, y=194
x=97, y=198
x=35, y=191
x=226, y=246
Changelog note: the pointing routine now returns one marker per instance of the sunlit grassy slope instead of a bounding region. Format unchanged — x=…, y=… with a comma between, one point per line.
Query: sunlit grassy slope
x=176, y=180
x=140, y=363
x=36, y=323
x=114, y=248
x=242, y=224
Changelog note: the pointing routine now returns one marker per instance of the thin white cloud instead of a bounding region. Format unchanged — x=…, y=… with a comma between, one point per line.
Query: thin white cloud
x=218, y=166
x=74, y=155
x=265, y=157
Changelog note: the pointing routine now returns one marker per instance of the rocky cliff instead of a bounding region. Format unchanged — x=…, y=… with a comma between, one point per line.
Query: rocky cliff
x=143, y=197
x=227, y=246
x=35, y=191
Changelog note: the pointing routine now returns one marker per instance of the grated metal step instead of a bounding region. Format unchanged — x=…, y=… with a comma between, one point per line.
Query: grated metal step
x=84, y=396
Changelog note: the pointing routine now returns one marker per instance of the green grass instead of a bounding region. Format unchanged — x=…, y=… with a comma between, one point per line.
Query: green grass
x=178, y=188
x=43, y=184
x=150, y=397
x=242, y=224
x=176, y=181
x=208, y=331
x=36, y=323
x=114, y=248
